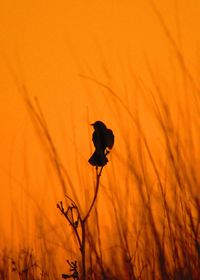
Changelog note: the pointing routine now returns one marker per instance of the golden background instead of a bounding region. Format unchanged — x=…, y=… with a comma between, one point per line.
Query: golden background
x=88, y=61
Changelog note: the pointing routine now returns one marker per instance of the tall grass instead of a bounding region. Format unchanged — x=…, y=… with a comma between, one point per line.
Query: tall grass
x=155, y=235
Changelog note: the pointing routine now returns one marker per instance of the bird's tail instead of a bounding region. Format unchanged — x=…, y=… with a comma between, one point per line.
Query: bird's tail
x=98, y=158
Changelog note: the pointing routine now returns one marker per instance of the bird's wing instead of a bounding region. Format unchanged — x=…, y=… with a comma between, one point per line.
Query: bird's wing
x=109, y=139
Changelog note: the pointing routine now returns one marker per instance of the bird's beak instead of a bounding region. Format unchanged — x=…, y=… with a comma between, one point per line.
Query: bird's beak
x=92, y=124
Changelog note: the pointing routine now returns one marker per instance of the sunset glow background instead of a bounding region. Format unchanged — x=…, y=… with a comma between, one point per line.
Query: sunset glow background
x=88, y=61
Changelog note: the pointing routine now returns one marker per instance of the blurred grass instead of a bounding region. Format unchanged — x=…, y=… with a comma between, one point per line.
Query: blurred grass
x=154, y=214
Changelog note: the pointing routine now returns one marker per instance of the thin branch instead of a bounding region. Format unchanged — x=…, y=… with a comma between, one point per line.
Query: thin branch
x=95, y=195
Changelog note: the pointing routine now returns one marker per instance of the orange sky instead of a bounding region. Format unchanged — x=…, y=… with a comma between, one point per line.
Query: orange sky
x=46, y=45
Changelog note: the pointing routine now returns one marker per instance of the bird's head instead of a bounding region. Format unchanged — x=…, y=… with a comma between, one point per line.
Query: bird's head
x=98, y=125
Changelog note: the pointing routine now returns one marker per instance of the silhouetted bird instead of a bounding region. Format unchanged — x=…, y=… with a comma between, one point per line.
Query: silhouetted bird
x=102, y=138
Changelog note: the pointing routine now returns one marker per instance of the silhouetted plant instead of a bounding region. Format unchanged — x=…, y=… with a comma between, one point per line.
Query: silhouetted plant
x=73, y=216
x=73, y=269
